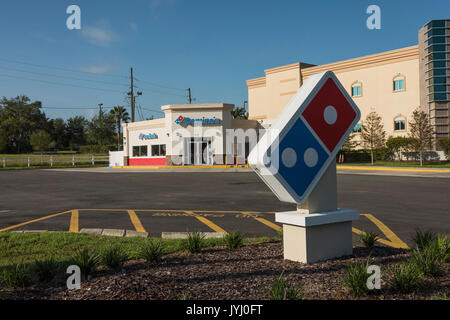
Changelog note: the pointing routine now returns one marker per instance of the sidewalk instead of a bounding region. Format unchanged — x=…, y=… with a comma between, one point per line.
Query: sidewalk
x=395, y=171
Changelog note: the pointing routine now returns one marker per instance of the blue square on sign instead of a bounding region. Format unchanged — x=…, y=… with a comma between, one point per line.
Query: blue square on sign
x=300, y=157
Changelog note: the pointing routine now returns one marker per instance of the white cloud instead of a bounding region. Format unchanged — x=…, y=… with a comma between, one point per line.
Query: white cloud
x=97, y=69
x=101, y=36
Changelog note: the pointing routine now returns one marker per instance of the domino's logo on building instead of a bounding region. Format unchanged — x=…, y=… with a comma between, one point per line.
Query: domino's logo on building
x=179, y=120
x=308, y=134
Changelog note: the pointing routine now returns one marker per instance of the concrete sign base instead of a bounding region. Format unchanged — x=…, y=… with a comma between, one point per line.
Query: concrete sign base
x=309, y=238
x=318, y=230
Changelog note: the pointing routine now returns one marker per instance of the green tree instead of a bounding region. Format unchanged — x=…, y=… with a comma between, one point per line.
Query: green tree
x=398, y=145
x=3, y=140
x=119, y=113
x=40, y=140
x=421, y=132
x=350, y=144
x=19, y=118
x=239, y=113
x=372, y=133
x=76, y=131
x=101, y=129
x=58, y=129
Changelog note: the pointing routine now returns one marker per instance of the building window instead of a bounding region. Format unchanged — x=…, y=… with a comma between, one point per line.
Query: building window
x=357, y=128
x=356, y=89
x=399, y=83
x=139, y=151
x=158, y=150
x=400, y=123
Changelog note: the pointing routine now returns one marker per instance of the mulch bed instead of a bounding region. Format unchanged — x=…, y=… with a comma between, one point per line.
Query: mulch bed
x=245, y=273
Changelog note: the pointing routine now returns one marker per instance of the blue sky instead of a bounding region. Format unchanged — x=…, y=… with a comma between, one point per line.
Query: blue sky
x=210, y=46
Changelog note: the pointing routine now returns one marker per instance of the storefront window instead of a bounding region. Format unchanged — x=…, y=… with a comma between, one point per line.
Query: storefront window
x=158, y=150
x=139, y=151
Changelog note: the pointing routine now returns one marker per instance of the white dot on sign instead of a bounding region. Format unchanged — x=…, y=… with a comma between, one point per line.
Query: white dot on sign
x=330, y=115
x=289, y=157
x=311, y=157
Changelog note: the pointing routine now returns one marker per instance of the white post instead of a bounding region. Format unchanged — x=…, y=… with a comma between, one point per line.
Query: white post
x=93, y=159
x=28, y=162
x=73, y=161
x=51, y=161
x=4, y=162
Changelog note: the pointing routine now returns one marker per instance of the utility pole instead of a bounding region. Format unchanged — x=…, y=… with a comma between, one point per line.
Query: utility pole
x=132, y=95
x=100, y=109
x=189, y=97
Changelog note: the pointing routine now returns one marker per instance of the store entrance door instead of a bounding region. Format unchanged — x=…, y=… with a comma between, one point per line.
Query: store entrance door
x=198, y=151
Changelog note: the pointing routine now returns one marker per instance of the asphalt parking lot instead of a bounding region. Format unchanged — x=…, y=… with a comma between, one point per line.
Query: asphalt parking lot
x=157, y=202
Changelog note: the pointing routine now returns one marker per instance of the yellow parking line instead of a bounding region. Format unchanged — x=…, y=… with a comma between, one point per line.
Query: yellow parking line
x=209, y=223
x=264, y=221
x=74, y=221
x=34, y=220
x=390, y=169
x=397, y=243
x=136, y=222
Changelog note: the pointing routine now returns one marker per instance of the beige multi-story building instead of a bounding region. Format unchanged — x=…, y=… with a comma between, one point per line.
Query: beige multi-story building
x=392, y=83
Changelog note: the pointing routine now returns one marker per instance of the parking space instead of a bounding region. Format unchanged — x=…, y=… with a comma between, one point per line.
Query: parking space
x=154, y=203
x=155, y=222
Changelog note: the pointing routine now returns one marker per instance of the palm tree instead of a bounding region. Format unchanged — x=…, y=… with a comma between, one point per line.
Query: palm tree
x=120, y=114
x=239, y=113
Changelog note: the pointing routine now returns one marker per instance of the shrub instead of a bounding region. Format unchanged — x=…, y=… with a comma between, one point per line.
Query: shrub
x=405, y=278
x=16, y=275
x=445, y=146
x=427, y=260
x=152, y=252
x=355, y=279
x=194, y=243
x=46, y=269
x=280, y=290
x=443, y=244
x=114, y=258
x=382, y=154
x=87, y=261
x=234, y=239
x=423, y=239
x=368, y=238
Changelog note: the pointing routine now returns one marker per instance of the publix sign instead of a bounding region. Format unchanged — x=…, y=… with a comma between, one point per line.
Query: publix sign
x=148, y=136
x=203, y=120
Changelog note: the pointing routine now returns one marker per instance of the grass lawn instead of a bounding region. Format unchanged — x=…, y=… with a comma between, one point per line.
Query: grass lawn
x=28, y=247
x=399, y=164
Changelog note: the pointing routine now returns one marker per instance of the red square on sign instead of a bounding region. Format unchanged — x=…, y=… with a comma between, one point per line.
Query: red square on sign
x=329, y=114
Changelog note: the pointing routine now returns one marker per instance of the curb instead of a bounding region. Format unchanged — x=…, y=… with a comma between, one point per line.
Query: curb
x=184, y=235
x=131, y=233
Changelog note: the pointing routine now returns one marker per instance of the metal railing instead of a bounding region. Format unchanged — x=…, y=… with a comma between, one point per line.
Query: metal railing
x=50, y=161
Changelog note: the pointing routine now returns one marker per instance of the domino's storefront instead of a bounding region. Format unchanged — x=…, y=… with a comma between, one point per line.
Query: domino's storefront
x=189, y=134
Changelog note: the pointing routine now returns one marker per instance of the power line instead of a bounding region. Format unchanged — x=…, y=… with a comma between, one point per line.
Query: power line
x=152, y=110
x=161, y=92
x=58, y=83
x=63, y=77
x=159, y=85
x=63, y=69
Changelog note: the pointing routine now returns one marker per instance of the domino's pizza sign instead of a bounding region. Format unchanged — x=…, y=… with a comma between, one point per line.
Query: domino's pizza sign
x=300, y=145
